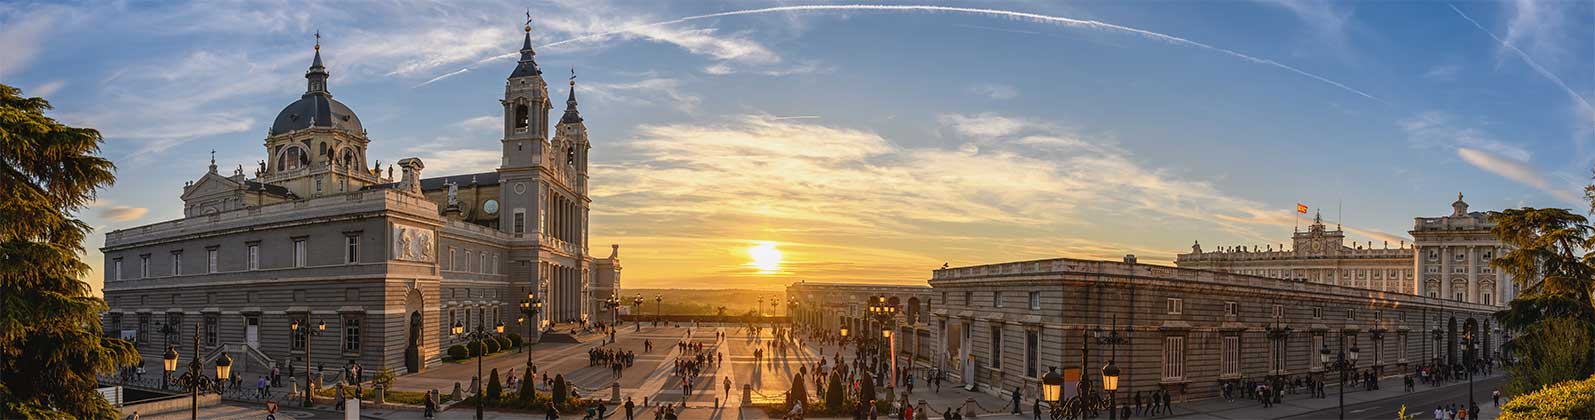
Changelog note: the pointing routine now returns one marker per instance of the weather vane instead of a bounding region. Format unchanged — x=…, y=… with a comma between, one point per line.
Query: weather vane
x=318, y=40
x=528, y=20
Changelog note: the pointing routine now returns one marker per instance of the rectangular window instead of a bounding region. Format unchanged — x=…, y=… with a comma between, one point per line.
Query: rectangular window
x=944, y=298
x=968, y=297
x=1232, y=308
x=1279, y=311
x=1273, y=355
x=351, y=335
x=1176, y=306
x=520, y=221
x=1032, y=353
x=351, y=249
x=210, y=329
x=116, y=270
x=1035, y=302
x=481, y=266
x=144, y=266
x=1318, y=344
x=1173, y=358
x=116, y=323
x=1351, y=314
x=453, y=319
x=452, y=263
x=143, y=328
x=1401, y=347
x=1318, y=312
x=1460, y=296
x=254, y=256
x=299, y=334
x=493, y=268
x=996, y=299
x=177, y=263
x=1231, y=365
x=299, y=253
x=996, y=347
x=1486, y=299
x=210, y=260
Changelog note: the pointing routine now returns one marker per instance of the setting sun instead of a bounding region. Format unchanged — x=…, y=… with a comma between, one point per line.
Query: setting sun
x=765, y=257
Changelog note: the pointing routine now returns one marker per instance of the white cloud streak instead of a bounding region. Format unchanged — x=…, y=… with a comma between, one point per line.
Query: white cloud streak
x=1584, y=104
x=1031, y=17
x=1518, y=171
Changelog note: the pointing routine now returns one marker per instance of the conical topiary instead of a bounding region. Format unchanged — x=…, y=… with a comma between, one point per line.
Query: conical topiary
x=528, y=392
x=834, y=396
x=561, y=390
x=799, y=392
x=493, y=387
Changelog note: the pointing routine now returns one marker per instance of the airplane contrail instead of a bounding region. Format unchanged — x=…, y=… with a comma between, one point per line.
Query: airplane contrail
x=1530, y=61
x=443, y=76
x=1032, y=17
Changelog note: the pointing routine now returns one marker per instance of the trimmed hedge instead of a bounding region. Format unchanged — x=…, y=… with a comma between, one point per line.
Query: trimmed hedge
x=515, y=339
x=1565, y=400
x=475, y=347
x=457, y=352
x=492, y=346
x=504, y=343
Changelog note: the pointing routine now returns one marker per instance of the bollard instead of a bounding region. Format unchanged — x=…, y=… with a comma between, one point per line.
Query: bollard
x=457, y=395
x=747, y=395
x=379, y=396
x=614, y=392
x=969, y=408
x=476, y=384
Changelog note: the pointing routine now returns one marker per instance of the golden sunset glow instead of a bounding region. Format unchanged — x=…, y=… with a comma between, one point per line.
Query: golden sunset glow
x=765, y=257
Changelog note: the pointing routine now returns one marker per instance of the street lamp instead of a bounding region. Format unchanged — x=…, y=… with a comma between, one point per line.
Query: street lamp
x=1438, y=335
x=884, y=312
x=193, y=379
x=295, y=327
x=636, y=311
x=1110, y=383
x=1111, y=338
x=1280, y=334
x=1343, y=362
x=168, y=332
x=530, y=307
x=613, y=305
x=1052, y=386
x=477, y=336
x=1468, y=341
x=658, y=311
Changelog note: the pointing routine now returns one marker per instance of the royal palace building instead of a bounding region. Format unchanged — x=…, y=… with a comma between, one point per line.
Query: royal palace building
x=1449, y=258
x=998, y=327
x=388, y=262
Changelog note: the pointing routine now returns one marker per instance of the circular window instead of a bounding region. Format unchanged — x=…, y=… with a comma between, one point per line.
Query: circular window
x=490, y=206
x=520, y=188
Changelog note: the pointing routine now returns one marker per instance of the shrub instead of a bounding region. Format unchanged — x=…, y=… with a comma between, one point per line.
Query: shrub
x=493, y=387
x=1564, y=400
x=515, y=339
x=866, y=389
x=458, y=352
x=561, y=390
x=798, y=392
x=504, y=343
x=475, y=347
x=528, y=391
x=492, y=345
x=834, y=397
x=385, y=378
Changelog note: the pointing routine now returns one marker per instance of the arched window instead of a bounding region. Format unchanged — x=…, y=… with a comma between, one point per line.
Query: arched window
x=292, y=158
x=521, y=115
x=570, y=155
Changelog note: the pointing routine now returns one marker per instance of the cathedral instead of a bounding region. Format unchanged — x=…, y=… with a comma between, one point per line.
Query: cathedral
x=382, y=263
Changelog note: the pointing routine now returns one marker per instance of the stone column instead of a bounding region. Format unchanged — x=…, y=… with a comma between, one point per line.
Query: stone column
x=1445, y=272
x=1417, y=270
x=1473, y=274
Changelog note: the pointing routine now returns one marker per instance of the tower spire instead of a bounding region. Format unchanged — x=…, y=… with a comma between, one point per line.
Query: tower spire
x=527, y=66
x=317, y=75
x=571, y=115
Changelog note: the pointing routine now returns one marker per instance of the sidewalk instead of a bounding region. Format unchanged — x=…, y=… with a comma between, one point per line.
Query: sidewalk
x=1300, y=404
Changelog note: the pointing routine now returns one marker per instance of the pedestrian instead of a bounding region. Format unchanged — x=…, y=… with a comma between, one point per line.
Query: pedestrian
x=601, y=409
x=1139, y=409
x=630, y=407
x=1495, y=397
x=431, y=405
x=1016, y=402
x=260, y=387
x=1035, y=409
x=550, y=412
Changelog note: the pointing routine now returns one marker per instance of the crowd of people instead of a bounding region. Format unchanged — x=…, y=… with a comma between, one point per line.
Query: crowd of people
x=616, y=360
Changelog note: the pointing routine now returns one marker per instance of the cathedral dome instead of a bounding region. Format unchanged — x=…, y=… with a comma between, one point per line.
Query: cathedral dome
x=318, y=110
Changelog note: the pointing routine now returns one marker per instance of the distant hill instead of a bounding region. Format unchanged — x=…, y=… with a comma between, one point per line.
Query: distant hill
x=704, y=301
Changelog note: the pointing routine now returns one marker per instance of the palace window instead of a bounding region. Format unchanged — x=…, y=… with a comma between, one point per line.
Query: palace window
x=300, y=255
x=1459, y=256
x=1035, y=302
x=1434, y=255
x=351, y=248
x=210, y=329
x=177, y=263
x=1318, y=312
x=1173, y=358
x=1273, y=355
x=996, y=346
x=299, y=334
x=254, y=256
x=1351, y=314
x=351, y=335
x=481, y=266
x=944, y=298
x=210, y=260
x=1279, y=311
x=519, y=220
x=1401, y=347
x=1231, y=364
x=1176, y=306
x=116, y=269
x=144, y=266
x=996, y=299
x=1485, y=256
x=116, y=323
x=452, y=264
x=1460, y=296
x=1486, y=298
x=968, y=297
x=1318, y=343
x=1232, y=309
x=1032, y=352
x=143, y=327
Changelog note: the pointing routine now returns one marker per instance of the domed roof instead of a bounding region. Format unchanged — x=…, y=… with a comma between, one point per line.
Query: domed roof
x=318, y=110
x=316, y=107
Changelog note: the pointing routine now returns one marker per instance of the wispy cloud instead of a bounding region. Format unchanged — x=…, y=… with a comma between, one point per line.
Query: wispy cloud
x=1442, y=72
x=994, y=90
x=1524, y=22
x=120, y=213
x=648, y=91
x=1435, y=129
x=1519, y=171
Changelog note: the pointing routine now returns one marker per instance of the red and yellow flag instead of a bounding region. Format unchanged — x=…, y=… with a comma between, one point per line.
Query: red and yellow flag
x=1301, y=208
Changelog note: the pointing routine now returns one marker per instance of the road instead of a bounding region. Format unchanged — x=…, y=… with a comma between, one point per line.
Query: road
x=1421, y=402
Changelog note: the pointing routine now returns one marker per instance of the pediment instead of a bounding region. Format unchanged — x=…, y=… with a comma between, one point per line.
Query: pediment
x=210, y=184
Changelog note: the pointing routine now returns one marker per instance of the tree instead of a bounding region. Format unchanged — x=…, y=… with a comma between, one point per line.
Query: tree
x=1555, y=308
x=493, y=387
x=528, y=392
x=51, y=342
x=834, y=397
x=866, y=389
x=798, y=392
x=561, y=390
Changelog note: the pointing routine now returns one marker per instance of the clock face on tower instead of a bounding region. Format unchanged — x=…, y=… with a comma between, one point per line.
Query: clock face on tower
x=490, y=207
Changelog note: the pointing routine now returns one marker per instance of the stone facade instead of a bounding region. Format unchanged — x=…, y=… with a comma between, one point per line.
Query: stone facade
x=1459, y=245
x=1001, y=326
x=387, y=263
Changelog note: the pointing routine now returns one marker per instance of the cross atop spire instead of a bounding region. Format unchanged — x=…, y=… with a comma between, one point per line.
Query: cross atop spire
x=317, y=74
x=571, y=115
x=318, y=40
x=213, y=161
x=526, y=66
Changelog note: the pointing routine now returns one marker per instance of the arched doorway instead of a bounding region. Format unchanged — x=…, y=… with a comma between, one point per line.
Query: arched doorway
x=1471, y=328
x=1451, y=342
x=412, y=349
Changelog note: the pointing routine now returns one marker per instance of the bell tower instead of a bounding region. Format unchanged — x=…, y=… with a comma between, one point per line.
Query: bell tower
x=525, y=142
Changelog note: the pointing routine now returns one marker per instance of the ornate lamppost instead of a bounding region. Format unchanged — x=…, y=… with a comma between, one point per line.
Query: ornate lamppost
x=169, y=333
x=530, y=307
x=1111, y=338
x=477, y=336
x=613, y=306
x=193, y=379
x=885, y=312
x=1344, y=361
x=1468, y=343
x=1438, y=334
x=636, y=311
x=297, y=328
x=1052, y=388
x=658, y=308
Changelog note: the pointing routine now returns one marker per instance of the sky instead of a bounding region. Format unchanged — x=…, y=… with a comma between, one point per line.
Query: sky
x=753, y=144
